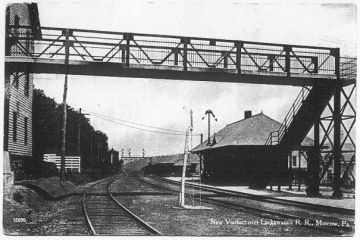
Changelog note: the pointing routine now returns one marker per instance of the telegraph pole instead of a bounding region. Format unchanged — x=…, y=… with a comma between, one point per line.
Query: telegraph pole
x=91, y=154
x=98, y=152
x=186, y=156
x=208, y=113
x=63, y=130
x=79, y=132
x=191, y=127
x=200, y=156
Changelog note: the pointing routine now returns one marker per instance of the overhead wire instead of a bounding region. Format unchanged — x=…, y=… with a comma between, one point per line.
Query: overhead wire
x=107, y=118
x=135, y=123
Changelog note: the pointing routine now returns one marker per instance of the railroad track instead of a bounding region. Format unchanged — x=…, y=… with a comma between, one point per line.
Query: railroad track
x=105, y=215
x=308, y=222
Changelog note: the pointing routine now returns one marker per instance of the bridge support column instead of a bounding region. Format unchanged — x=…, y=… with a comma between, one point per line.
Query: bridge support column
x=185, y=42
x=200, y=166
x=314, y=164
x=290, y=171
x=337, y=128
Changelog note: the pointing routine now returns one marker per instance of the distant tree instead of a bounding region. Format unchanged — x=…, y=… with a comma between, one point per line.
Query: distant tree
x=47, y=117
x=46, y=128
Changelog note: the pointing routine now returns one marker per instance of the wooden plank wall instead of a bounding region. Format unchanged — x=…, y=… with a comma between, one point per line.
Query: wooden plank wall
x=19, y=101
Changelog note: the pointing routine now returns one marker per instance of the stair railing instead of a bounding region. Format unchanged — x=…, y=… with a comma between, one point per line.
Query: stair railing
x=276, y=136
x=273, y=138
x=348, y=67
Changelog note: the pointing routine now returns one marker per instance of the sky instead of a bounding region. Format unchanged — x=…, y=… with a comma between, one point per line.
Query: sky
x=165, y=103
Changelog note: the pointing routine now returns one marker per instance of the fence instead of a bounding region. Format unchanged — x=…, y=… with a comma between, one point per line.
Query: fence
x=71, y=162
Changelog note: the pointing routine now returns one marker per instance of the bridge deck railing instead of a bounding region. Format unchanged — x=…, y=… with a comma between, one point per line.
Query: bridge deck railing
x=177, y=52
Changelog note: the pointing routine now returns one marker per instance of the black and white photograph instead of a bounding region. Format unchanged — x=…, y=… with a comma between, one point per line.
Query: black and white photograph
x=200, y=118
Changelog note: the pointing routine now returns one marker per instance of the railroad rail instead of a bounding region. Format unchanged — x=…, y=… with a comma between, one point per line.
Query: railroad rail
x=276, y=215
x=105, y=215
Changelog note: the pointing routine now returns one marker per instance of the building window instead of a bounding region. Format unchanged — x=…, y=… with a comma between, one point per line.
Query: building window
x=27, y=43
x=26, y=130
x=27, y=84
x=294, y=161
x=15, y=49
x=16, y=80
x=16, y=25
x=17, y=21
x=15, y=116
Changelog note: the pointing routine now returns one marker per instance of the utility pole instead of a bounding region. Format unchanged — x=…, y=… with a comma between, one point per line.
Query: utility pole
x=79, y=132
x=191, y=128
x=200, y=156
x=299, y=170
x=63, y=130
x=186, y=156
x=98, y=152
x=91, y=154
x=208, y=113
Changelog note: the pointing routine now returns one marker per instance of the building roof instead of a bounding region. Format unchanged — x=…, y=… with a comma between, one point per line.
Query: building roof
x=113, y=151
x=252, y=131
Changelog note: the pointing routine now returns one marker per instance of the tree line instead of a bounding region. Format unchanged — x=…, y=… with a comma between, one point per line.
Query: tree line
x=47, y=124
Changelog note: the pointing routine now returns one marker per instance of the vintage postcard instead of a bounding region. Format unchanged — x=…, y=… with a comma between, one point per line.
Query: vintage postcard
x=179, y=118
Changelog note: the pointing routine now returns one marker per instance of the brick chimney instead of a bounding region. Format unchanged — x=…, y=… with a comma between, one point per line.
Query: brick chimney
x=247, y=114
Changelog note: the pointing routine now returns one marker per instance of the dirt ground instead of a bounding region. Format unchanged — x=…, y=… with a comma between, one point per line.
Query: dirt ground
x=25, y=212
x=163, y=214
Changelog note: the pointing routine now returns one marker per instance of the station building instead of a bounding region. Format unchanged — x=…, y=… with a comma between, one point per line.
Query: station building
x=172, y=165
x=298, y=165
x=113, y=162
x=18, y=95
x=238, y=153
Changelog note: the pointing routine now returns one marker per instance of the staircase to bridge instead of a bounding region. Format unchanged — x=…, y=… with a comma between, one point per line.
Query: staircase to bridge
x=308, y=107
x=305, y=113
